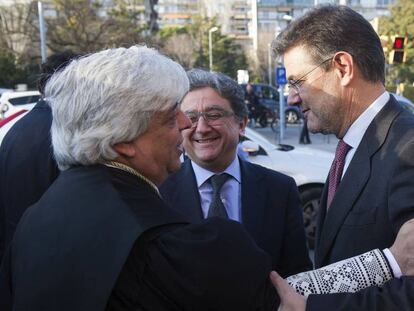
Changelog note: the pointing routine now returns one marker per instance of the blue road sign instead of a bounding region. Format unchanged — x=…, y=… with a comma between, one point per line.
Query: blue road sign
x=281, y=75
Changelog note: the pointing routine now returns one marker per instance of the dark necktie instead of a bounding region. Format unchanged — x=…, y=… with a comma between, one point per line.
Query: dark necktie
x=216, y=206
x=336, y=170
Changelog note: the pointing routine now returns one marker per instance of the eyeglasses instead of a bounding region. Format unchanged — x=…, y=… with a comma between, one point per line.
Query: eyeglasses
x=212, y=117
x=296, y=84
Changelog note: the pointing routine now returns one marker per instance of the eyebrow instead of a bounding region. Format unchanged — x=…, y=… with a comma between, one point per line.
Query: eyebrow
x=209, y=108
x=291, y=77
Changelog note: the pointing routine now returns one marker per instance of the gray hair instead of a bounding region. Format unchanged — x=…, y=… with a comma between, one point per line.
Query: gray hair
x=225, y=86
x=107, y=98
x=328, y=29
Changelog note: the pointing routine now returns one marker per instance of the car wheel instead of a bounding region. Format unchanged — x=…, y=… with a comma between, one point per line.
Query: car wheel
x=310, y=198
x=292, y=117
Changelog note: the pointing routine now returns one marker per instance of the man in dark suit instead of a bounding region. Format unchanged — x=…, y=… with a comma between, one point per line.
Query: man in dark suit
x=337, y=79
x=27, y=166
x=264, y=201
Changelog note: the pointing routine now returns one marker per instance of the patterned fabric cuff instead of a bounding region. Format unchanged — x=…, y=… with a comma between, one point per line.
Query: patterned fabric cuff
x=349, y=275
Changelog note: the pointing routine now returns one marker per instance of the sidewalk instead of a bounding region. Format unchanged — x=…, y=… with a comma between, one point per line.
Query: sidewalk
x=291, y=137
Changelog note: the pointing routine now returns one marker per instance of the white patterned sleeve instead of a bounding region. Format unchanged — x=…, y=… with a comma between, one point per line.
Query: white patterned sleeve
x=349, y=275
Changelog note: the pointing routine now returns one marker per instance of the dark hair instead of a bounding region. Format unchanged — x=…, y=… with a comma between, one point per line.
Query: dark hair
x=225, y=86
x=54, y=63
x=328, y=29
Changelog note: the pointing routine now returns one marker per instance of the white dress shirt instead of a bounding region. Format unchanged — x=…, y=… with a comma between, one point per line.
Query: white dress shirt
x=353, y=138
x=357, y=130
x=230, y=193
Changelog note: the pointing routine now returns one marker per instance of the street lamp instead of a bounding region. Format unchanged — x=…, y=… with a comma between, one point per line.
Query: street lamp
x=210, y=45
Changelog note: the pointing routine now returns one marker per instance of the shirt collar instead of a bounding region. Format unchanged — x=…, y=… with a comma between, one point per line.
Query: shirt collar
x=126, y=168
x=202, y=175
x=357, y=129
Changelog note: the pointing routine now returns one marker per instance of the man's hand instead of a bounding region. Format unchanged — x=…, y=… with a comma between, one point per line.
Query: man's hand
x=289, y=299
x=403, y=248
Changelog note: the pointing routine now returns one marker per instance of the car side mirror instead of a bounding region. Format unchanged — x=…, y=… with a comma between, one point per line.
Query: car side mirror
x=3, y=110
x=251, y=147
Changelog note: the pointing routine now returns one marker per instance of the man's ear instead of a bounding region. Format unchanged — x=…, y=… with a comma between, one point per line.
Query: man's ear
x=343, y=63
x=125, y=149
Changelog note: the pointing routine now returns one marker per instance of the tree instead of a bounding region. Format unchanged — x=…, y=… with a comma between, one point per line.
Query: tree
x=19, y=56
x=260, y=67
x=86, y=25
x=400, y=22
x=15, y=27
x=80, y=25
x=181, y=48
x=228, y=56
x=189, y=46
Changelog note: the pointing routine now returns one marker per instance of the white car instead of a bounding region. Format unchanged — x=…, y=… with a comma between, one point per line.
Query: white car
x=11, y=102
x=3, y=90
x=309, y=167
x=7, y=123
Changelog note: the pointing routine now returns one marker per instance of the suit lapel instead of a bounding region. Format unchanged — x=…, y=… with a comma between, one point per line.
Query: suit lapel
x=253, y=201
x=354, y=180
x=189, y=196
x=321, y=216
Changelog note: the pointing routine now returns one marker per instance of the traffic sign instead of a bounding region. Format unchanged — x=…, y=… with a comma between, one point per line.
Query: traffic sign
x=281, y=75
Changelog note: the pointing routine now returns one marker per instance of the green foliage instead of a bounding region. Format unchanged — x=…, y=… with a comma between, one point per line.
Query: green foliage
x=85, y=26
x=188, y=45
x=409, y=92
x=168, y=32
x=12, y=72
x=228, y=57
x=401, y=23
x=8, y=70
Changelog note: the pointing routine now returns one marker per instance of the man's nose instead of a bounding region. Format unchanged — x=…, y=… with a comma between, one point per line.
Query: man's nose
x=293, y=98
x=202, y=125
x=183, y=121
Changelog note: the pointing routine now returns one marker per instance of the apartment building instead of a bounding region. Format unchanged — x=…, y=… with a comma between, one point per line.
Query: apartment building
x=176, y=12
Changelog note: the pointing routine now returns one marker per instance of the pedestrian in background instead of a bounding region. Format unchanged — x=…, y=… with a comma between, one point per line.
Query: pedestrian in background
x=27, y=165
x=304, y=133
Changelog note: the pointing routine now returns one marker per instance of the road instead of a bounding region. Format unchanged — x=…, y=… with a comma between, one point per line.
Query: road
x=292, y=132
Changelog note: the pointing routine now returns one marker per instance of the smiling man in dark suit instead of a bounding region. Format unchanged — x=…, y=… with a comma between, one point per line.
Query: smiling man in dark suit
x=335, y=67
x=264, y=201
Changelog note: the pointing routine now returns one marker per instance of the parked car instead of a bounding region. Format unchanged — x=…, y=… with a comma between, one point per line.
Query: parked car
x=269, y=97
x=309, y=167
x=3, y=90
x=7, y=123
x=11, y=102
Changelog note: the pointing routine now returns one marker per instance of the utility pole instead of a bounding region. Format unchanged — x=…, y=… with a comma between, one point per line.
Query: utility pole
x=210, y=46
x=269, y=62
x=42, y=29
x=151, y=15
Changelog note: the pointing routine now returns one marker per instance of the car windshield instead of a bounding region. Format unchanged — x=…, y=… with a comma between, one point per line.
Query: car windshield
x=24, y=100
